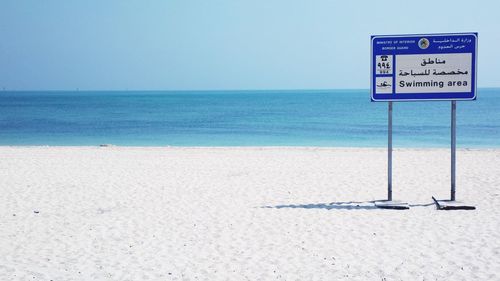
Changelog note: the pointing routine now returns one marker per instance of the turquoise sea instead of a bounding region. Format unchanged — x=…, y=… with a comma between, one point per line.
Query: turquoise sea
x=241, y=118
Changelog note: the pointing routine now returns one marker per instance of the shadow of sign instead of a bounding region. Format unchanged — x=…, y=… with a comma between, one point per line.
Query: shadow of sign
x=350, y=205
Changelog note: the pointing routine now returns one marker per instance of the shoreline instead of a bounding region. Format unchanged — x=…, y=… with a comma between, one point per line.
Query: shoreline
x=112, y=146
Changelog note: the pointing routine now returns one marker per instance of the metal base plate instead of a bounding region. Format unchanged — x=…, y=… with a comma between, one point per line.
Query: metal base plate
x=451, y=205
x=396, y=205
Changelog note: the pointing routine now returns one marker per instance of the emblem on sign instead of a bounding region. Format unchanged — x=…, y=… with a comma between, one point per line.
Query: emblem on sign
x=423, y=43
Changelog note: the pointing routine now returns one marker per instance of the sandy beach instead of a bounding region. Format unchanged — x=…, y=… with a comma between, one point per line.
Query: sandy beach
x=122, y=213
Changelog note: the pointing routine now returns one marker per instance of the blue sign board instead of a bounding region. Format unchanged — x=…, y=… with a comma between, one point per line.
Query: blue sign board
x=423, y=67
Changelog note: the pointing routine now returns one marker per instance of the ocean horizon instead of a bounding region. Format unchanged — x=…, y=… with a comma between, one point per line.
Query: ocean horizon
x=323, y=118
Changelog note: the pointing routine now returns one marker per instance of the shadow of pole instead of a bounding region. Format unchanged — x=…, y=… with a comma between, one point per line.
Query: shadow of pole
x=366, y=205
x=349, y=205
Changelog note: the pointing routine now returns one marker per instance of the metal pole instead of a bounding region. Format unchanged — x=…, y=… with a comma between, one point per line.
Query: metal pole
x=389, y=154
x=453, y=146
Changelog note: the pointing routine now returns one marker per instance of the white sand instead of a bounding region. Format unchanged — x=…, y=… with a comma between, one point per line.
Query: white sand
x=244, y=214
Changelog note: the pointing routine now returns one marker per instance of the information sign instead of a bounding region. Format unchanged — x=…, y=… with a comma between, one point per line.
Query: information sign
x=423, y=67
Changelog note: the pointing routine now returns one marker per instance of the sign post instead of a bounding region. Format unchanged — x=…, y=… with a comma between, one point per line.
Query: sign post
x=423, y=67
x=389, y=153
x=453, y=147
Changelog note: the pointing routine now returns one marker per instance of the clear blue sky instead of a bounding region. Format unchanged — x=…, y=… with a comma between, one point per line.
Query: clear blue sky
x=268, y=44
